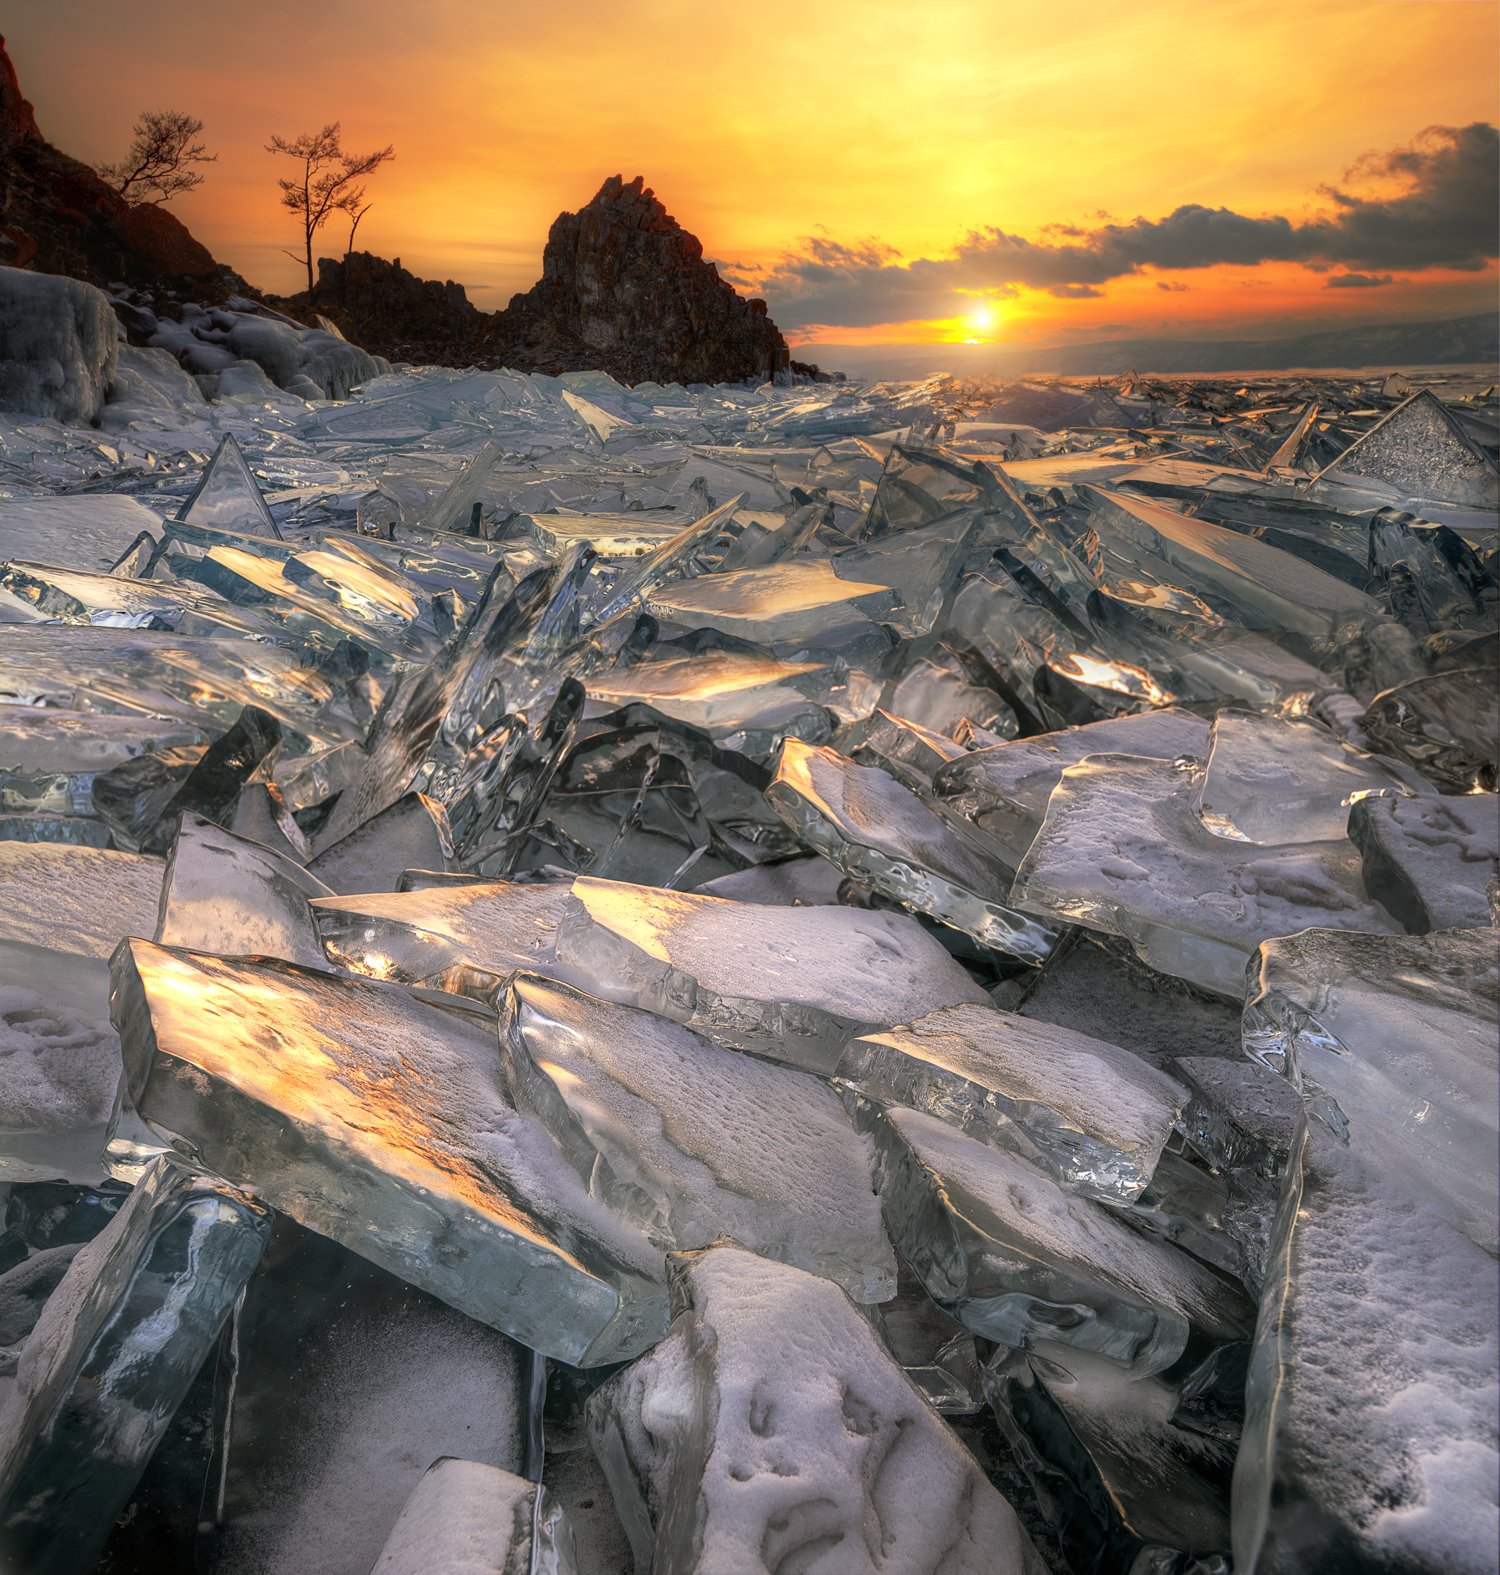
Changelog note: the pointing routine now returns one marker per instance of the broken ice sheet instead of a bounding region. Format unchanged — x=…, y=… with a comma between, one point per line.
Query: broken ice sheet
x=771, y=1425
x=467, y=1518
x=878, y=831
x=227, y=497
x=1432, y=862
x=1004, y=790
x=376, y=1117
x=798, y=600
x=410, y=834
x=691, y=1142
x=1015, y=1258
x=1123, y=851
x=719, y=691
x=1419, y=451
x=89, y=531
x=114, y=1352
x=225, y=894
x=791, y=984
x=415, y=937
x=1092, y=1115
x=1283, y=780
x=1443, y=724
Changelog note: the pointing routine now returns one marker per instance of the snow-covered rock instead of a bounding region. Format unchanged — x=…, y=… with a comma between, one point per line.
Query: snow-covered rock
x=58, y=345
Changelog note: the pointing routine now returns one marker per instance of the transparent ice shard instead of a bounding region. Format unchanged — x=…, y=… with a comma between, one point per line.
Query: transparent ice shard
x=115, y=1350
x=1004, y=790
x=410, y=834
x=798, y=600
x=417, y=936
x=1443, y=725
x=691, y=1142
x=879, y=831
x=1242, y=1116
x=1122, y=851
x=1092, y=1115
x=719, y=691
x=1420, y=452
x=735, y=1436
x=348, y=1383
x=227, y=498
x=610, y=535
x=467, y=1517
x=225, y=894
x=791, y=984
x=376, y=1117
x=452, y=510
x=1015, y=1258
x=1432, y=862
x=1287, y=780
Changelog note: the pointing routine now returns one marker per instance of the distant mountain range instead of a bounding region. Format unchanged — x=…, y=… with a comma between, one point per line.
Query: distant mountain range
x=1460, y=340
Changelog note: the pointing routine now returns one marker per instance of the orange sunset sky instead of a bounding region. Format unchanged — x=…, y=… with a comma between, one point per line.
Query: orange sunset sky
x=881, y=172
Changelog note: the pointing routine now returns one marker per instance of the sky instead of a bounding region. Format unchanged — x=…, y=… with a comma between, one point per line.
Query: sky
x=883, y=173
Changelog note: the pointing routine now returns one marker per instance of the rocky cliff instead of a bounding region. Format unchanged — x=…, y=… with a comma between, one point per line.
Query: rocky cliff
x=57, y=216
x=391, y=312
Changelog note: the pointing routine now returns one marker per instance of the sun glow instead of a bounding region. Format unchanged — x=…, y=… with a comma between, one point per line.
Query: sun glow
x=981, y=322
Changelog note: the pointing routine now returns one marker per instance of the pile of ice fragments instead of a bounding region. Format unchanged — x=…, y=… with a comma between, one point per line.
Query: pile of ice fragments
x=887, y=979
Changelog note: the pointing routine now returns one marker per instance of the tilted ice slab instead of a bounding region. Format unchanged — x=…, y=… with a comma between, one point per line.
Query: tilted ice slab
x=229, y=895
x=415, y=937
x=1432, y=862
x=115, y=1350
x=1004, y=790
x=410, y=834
x=771, y=1430
x=1014, y=1257
x=796, y=600
x=1123, y=851
x=91, y=532
x=1092, y=1115
x=375, y=1117
x=1370, y=1436
x=719, y=691
x=791, y=984
x=1272, y=779
x=467, y=1518
x=877, y=830
x=692, y=1142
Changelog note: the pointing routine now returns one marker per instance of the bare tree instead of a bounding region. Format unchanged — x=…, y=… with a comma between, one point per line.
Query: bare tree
x=355, y=215
x=329, y=183
x=162, y=149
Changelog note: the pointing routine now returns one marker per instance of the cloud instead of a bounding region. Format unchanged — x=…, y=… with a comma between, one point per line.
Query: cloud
x=1175, y=285
x=1357, y=281
x=1438, y=206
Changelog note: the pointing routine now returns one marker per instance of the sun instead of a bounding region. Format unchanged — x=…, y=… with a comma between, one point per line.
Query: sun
x=982, y=319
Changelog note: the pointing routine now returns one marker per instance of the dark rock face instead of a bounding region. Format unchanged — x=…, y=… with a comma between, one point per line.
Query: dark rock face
x=57, y=216
x=391, y=312
x=625, y=288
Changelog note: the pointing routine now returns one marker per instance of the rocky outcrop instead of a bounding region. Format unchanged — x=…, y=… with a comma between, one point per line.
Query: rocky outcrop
x=58, y=217
x=58, y=346
x=393, y=313
x=625, y=288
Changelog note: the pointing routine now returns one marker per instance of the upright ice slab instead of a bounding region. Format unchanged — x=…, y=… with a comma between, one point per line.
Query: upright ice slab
x=1370, y=1437
x=770, y=1426
x=227, y=498
x=115, y=1350
x=375, y=1117
x=691, y=1142
x=1092, y=1115
x=791, y=984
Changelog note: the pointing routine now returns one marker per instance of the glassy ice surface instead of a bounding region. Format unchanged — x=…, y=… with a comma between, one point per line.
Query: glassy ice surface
x=374, y=1117
x=880, y=832
x=1270, y=780
x=791, y=984
x=115, y=1350
x=1092, y=1115
x=691, y=1142
x=468, y=1518
x=1431, y=862
x=1016, y=1258
x=1123, y=851
x=1372, y=1410
x=807, y=1435
x=473, y=674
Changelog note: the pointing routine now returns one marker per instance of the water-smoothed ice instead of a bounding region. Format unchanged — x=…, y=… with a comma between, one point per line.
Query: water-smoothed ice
x=377, y=1118
x=1092, y=1115
x=791, y=984
x=1016, y=1258
x=1123, y=851
x=770, y=1430
x=878, y=831
x=1431, y=862
x=692, y=1142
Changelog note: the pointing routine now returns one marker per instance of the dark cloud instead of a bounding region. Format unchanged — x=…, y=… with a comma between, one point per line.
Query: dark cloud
x=1175, y=285
x=1440, y=208
x=1357, y=281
